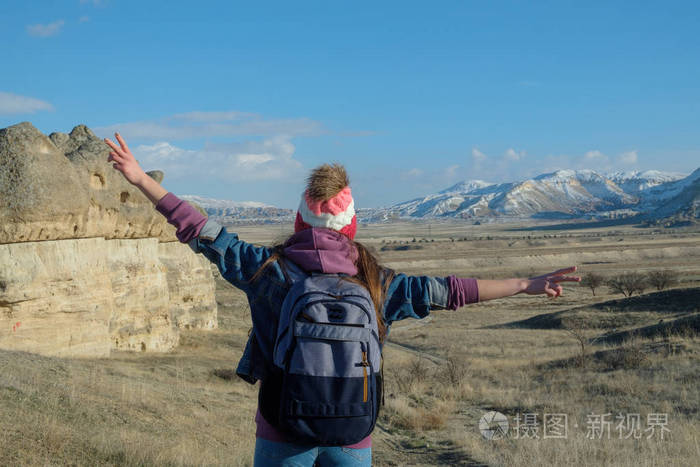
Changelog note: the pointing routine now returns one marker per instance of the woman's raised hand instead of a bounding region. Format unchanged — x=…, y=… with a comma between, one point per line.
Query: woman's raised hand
x=549, y=283
x=124, y=161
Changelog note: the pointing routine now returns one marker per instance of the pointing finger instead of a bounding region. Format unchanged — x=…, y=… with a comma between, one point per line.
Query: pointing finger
x=112, y=145
x=122, y=143
x=564, y=271
x=565, y=279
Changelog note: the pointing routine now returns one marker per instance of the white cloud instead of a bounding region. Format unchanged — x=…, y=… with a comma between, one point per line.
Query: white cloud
x=158, y=153
x=628, y=158
x=258, y=148
x=193, y=125
x=513, y=155
x=518, y=164
x=16, y=104
x=270, y=159
x=601, y=162
x=83, y=19
x=45, y=30
x=252, y=160
x=495, y=169
x=451, y=171
x=477, y=155
x=412, y=173
x=595, y=156
x=594, y=160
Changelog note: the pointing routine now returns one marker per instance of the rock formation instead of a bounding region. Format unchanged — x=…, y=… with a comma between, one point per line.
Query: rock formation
x=62, y=186
x=87, y=265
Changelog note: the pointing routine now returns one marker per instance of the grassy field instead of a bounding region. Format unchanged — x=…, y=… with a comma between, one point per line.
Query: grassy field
x=526, y=357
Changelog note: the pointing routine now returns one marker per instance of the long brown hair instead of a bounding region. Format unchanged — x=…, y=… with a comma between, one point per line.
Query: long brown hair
x=324, y=183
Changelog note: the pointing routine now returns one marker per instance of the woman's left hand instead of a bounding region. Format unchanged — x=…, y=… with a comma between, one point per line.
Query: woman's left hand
x=549, y=283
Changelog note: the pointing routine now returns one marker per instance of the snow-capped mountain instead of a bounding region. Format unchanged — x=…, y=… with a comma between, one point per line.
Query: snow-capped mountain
x=565, y=192
x=561, y=194
x=680, y=199
x=241, y=211
x=635, y=181
x=466, y=186
x=224, y=203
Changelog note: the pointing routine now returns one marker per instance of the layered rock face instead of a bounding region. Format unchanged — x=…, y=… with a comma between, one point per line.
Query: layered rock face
x=87, y=265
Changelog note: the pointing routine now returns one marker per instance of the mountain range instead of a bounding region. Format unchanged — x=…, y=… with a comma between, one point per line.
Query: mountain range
x=236, y=212
x=564, y=194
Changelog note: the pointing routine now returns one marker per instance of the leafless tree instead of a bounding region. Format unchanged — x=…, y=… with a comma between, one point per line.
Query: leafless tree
x=453, y=370
x=662, y=279
x=592, y=280
x=628, y=283
x=581, y=334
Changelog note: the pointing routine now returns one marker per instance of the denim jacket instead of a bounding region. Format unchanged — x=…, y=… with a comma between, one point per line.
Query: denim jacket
x=237, y=261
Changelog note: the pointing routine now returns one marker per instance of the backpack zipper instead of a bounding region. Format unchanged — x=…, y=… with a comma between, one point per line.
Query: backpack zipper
x=364, y=370
x=308, y=319
x=364, y=364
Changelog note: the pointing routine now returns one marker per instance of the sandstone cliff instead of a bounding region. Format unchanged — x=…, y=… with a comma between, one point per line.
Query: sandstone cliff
x=87, y=264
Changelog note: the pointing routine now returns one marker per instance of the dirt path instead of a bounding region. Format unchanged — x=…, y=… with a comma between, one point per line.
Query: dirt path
x=427, y=449
x=392, y=449
x=415, y=351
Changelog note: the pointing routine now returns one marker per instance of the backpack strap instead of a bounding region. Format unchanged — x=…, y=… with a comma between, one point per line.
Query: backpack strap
x=381, y=369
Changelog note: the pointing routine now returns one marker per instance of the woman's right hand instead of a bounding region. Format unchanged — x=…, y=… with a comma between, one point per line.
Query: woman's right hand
x=549, y=283
x=124, y=161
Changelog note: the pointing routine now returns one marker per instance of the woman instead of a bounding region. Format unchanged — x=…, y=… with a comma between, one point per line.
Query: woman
x=325, y=227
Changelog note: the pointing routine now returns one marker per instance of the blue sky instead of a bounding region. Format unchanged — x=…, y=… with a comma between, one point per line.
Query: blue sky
x=238, y=100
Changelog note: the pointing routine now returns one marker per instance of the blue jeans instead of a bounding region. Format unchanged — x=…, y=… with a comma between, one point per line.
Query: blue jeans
x=271, y=453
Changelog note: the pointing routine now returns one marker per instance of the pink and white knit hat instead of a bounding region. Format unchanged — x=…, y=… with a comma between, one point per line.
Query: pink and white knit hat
x=338, y=213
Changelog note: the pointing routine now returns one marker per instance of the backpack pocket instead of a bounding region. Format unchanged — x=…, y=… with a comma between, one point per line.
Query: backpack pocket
x=328, y=382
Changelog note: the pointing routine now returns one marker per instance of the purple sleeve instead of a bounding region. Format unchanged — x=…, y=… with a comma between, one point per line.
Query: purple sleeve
x=186, y=219
x=462, y=291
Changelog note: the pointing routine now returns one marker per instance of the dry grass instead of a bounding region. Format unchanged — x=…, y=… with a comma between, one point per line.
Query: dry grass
x=640, y=376
x=100, y=412
x=422, y=395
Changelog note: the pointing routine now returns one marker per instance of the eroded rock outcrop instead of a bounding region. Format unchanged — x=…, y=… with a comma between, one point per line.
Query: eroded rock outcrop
x=62, y=186
x=87, y=265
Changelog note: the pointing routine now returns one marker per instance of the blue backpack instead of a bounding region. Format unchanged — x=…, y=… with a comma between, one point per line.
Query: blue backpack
x=327, y=357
